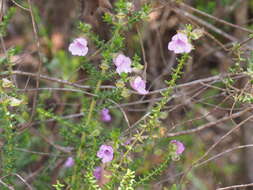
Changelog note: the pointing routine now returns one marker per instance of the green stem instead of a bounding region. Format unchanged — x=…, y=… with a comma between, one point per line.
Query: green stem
x=80, y=154
x=154, y=116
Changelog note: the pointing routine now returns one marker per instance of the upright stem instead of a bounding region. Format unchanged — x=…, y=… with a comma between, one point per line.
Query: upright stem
x=160, y=105
x=80, y=154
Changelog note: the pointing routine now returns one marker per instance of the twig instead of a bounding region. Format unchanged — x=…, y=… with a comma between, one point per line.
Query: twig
x=36, y=36
x=215, y=144
x=208, y=125
x=24, y=181
x=204, y=23
x=35, y=152
x=204, y=80
x=122, y=111
x=56, y=89
x=236, y=186
x=222, y=153
x=4, y=184
x=60, y=81
x=143, y=54
x=20, y=6
x=216, y=19
x=1, y=9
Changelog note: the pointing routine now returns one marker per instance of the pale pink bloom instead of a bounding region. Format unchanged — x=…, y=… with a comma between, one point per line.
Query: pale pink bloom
x=97, y=173
x=180, y=146
x=105, y=153
x=123, y=64
x=139, y=85
x=79, y=47
x=180, y=44
x=69, y=162
x=105, y=115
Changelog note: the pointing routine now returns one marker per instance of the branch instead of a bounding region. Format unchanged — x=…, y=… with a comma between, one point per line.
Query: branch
x=208, y=125
x=236, y=186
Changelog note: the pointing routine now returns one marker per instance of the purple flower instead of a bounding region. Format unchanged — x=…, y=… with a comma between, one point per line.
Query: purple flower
x=180, y=146
x=79, y=47
x=69, y=162
x=105, y=115
x=123, y=64
x=139, y=85
x=97, y=173
x=105, y=153
x=127, y=142
x=180, y=44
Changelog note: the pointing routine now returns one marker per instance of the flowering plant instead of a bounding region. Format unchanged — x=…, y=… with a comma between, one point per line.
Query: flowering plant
x=97, y=145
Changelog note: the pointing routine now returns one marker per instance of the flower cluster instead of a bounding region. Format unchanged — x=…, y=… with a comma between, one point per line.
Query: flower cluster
x=123, y=64
x=179, y=44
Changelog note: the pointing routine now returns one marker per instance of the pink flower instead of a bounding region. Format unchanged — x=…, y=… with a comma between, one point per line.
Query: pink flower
x=97, y=173
x=139, y=85
x=105, y=115
x=180, y=146
x=123, y=64
x=79, y=47
x=69, y=162
x=180, y=44
x=105, y=153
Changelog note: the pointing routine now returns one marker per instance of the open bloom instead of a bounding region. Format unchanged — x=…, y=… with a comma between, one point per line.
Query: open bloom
x=179, y=146
x=79, y=47
x=97, y=173
x=139, y=85
x=69, y=162
x=105, y=153
x=123, y=64
x=105, y=115
x=180, y=44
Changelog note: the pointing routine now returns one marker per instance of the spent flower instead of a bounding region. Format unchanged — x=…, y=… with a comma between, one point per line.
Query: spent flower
x=139, y=85
x=97, y=173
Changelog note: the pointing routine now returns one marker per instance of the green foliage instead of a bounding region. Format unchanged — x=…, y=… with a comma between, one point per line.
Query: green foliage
x=206, y=6
x=128, y=181
x=58, y=186
x=155, y=172
x=91, y=182
x=6, y=20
